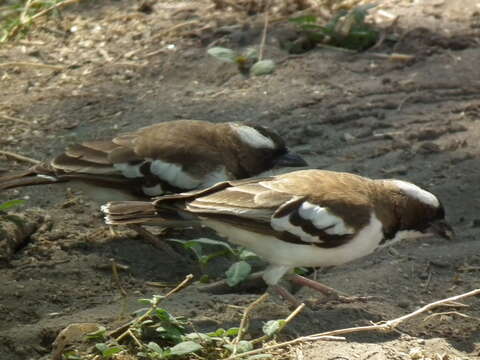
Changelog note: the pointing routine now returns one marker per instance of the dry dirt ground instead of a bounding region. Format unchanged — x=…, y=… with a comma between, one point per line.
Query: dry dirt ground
x=115, y=68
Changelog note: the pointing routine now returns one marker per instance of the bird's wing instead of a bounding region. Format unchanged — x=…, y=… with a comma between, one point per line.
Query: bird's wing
x=293, y=213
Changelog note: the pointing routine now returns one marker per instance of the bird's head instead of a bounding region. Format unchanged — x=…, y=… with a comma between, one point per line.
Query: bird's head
x=419, y=210
x=261, y=149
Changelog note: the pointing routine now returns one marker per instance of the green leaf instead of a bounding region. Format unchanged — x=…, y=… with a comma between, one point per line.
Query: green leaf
x=101, y=347
x=190, y=245
x=205, y=259
x=155, y=347
x=216, y=333
x=212, y=242
x=232, y=331
x=222, y=54
x=72, y=356
x=306, y=19
x=97, y=335
x=361, y=12
x=238, y=272
x=272, y=326
x=251, y=53
x=107, y=354
x=247, y=254
x=242, y=346
x=198, y=337
x=9, y=204
x=300, y=270
x=170, y=332
x=185, y=347
x=263, y=67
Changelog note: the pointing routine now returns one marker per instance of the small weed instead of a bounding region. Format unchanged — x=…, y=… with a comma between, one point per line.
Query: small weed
x=157, y=334
x=9, y=204
x=17, y=16
x=247, y=63
x=347, y=29
x=237, y=272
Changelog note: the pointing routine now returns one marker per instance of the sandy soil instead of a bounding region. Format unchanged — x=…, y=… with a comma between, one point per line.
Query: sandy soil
x=416, y=120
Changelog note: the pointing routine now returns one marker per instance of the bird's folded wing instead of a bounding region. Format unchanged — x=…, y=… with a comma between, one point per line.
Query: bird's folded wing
x=257, y=207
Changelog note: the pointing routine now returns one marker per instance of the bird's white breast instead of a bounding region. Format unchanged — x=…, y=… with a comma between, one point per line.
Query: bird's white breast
x=280, y=252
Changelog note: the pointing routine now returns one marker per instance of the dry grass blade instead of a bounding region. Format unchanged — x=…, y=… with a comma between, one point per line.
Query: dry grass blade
x=243, y=323
x=19, y=157
x=14, y=119
x=32, y=64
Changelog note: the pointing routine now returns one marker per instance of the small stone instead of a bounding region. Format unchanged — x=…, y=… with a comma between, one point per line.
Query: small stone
x=348, y=137
x=429, y=147
x=404, y=304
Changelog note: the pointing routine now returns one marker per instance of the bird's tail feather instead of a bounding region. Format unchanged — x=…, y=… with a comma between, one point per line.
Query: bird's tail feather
x=26, y=178
x=143, y=212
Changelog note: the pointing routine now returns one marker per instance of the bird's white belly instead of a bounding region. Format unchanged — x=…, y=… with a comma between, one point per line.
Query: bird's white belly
x=283, y=253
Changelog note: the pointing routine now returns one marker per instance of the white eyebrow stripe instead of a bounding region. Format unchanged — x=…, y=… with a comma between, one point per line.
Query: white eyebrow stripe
x=252, y=137
x=417, y=192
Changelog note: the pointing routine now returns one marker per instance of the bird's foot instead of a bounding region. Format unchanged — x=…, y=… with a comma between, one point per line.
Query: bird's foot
x=331, y=294
x=156, y=241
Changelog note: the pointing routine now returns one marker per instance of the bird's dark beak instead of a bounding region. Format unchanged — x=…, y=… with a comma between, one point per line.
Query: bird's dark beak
x=442, y=229
x=290, y=159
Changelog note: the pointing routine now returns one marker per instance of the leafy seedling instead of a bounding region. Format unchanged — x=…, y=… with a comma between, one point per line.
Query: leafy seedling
x=247, y=63
x=10, y=204
x=237, y=272
x=17, y=17
x=347, y=29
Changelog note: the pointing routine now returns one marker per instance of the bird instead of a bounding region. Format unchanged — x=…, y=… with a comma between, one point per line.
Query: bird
x=167, y=157
x=304, y=218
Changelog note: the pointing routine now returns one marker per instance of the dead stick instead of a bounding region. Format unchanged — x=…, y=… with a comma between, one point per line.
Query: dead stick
x=243, y=328
x=57, y=5
x=32, y=64
x=264, y=32
x=385, y=327
x=14, y=119
x=287, y=343
x=19, y=157
x=117, y=278
x=392, y=324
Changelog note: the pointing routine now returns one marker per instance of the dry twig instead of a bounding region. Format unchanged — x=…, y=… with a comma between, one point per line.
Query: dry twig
x=32, y=64
x=14, y=119
x=387, y=326
x=117, y=278
x=19, y=157
x=243, y=323
x=264, y=32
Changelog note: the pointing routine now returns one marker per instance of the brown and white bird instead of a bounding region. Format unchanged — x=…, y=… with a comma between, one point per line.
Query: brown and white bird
x=303, y=218
x=168, y=157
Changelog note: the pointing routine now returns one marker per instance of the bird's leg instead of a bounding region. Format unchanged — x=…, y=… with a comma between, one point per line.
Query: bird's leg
x=287, y=295
x=155, y=240
x=324, y=289
x=329, y=292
